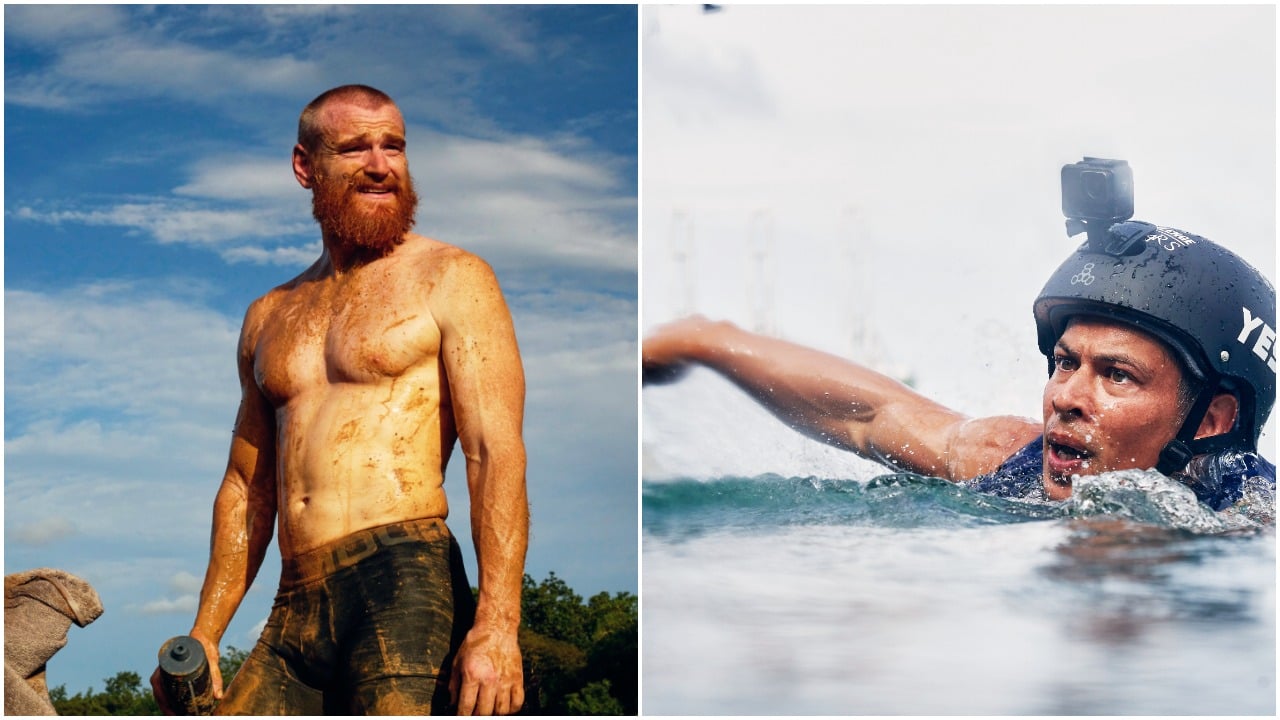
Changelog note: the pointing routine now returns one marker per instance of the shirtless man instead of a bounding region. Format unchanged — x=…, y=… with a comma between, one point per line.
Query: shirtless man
x=1161, y=355
x=357, y=377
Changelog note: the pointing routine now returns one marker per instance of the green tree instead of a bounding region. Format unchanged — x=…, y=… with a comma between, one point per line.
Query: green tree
x=608, y=614
x=553, y=609
x=551, y=671
x=594, y=699
x=580, y=658
x=229, y=663
x=123, y=695
x=612, y=660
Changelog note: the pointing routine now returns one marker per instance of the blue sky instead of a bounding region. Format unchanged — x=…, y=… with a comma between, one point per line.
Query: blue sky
x=149, y=198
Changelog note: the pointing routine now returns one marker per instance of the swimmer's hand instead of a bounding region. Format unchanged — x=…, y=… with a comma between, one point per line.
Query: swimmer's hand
x=669, y=351
x=655, y=374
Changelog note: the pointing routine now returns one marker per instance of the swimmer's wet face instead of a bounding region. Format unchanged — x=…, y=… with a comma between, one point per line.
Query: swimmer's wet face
x=1112, y=402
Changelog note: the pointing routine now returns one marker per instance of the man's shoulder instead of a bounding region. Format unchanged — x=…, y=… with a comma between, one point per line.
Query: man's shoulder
x=446, y=269
x=263, y=304
x=261, y=310
x=438, y=257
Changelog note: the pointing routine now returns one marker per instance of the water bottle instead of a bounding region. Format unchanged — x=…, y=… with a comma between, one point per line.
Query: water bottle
x=184, y=673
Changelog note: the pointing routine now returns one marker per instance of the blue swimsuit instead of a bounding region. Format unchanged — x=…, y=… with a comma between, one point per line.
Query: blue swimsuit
x=1218, y=480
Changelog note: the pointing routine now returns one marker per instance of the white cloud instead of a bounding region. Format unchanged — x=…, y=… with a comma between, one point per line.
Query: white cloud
x=40, y=532
x=255, y=632
x=63, y=24
x=115, y=349
x=224, y=230
x=498, y=28
x=527, y=197
x=294, y=256
x=185, y=583
x=141, y=65
x=117, y=398
x=170, y=222
x=288, y=16
x=255, y=180
x=496, y=164
x=185, y=605
x=106, y=55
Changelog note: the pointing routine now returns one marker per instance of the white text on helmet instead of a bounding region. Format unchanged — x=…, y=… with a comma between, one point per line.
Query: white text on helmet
x=1265, y=346
x=1171, y=239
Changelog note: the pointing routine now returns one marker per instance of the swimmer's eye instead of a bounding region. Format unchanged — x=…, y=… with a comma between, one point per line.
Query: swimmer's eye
x=1064, y=363
x=1117, y=375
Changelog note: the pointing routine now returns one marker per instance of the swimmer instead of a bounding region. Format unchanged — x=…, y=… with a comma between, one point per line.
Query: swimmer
x=1164, y=359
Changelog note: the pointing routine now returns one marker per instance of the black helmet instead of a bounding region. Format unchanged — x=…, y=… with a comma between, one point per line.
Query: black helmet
x=1213, y=309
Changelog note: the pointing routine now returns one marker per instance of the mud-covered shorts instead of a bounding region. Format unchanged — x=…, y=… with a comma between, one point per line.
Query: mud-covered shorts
x=365, y=625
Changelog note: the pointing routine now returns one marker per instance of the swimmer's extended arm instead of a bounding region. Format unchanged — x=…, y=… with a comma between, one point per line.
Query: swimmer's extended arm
x=486, y=386
x=243, y=513
x=839, y=402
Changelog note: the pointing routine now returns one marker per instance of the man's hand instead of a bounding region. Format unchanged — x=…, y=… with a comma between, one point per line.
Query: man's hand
x=212, y=656
x=487, y=677
x=215, y=676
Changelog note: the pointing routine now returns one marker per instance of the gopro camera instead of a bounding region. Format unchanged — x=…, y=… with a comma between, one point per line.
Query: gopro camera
x=1097, y=191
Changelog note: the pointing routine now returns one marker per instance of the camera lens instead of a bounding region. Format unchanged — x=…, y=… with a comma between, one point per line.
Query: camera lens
x=1095, y=185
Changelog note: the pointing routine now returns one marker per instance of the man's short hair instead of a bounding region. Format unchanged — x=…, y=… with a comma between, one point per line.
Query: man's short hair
x=310, y=130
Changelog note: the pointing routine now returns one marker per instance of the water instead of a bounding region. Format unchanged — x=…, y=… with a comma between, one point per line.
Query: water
x=909, y=595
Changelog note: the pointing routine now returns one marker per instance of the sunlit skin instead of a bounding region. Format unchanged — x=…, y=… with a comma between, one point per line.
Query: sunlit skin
x=1111, y=403
x=357, y=377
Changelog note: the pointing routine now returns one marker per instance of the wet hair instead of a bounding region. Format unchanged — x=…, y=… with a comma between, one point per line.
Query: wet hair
x=310, y=129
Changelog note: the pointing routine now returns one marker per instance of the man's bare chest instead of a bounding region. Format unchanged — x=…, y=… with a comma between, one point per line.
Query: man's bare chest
x=317, y=337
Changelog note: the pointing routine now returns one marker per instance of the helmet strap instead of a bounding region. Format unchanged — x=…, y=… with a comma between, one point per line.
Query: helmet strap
x=1179, y=451
x=1174, y=457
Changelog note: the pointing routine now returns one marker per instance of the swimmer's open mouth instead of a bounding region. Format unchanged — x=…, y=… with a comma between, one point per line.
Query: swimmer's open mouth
x=1067, y=452
x=1065, y=456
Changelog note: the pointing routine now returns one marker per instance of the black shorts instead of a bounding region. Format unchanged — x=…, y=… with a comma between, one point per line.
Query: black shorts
x=365, y=625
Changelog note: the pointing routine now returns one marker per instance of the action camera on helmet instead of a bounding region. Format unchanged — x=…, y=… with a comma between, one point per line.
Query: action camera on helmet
x=1097, y=194
x=1098, y=190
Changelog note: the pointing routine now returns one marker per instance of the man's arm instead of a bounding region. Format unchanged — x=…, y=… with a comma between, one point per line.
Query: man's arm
x=839, y=402
x=486, y=385
x=244, y=514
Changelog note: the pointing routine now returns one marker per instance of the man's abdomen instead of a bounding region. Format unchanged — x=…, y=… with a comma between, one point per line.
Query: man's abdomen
x=359, y=457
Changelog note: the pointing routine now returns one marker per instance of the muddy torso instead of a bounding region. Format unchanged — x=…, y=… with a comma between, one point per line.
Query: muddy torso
x=351, y=364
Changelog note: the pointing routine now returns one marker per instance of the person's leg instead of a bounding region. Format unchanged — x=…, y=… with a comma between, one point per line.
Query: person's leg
x=265, y=685
x=417, y=607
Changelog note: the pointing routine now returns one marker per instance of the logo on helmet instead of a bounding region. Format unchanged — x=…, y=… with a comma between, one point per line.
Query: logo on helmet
x=1085, y=276
x=1265, y=346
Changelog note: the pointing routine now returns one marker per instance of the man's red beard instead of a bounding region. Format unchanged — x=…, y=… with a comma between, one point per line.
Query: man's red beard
x=340, y=213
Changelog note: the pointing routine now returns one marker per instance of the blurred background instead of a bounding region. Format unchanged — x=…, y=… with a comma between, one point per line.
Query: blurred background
x=882, y=183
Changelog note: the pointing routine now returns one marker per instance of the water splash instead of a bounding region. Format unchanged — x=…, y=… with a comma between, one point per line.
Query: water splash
x=685, y=508
x=1146, y=496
